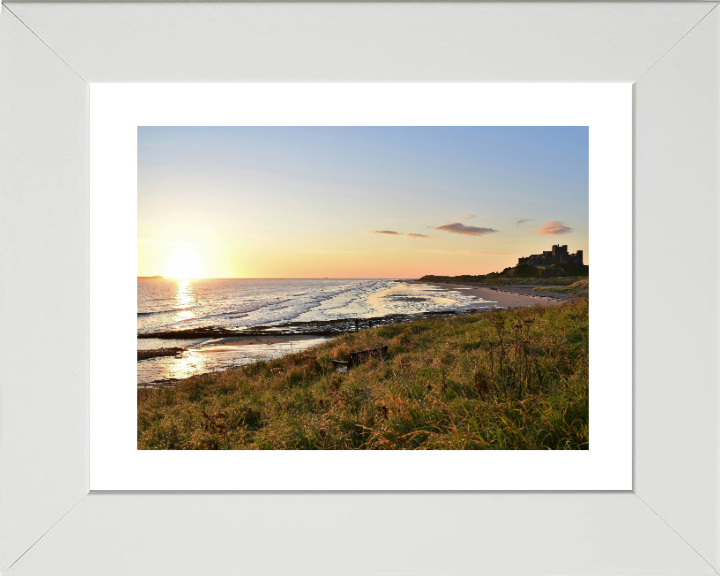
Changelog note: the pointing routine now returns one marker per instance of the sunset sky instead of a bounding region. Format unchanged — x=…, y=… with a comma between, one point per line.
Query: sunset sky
x=356, y=202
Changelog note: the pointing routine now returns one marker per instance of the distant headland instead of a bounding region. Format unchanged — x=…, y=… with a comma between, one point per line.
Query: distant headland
x=556, y=263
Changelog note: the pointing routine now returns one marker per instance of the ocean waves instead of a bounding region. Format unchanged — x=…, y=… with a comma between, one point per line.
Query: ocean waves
x=192, y=315
x=244, y=304
x=170, y=311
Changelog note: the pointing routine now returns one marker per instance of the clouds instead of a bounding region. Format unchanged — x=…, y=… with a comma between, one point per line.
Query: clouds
x=458, y=228
x=549, y=228
x=554, y=228
x=393, y=233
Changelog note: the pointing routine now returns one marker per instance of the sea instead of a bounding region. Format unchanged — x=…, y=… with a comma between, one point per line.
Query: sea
x=309, y=308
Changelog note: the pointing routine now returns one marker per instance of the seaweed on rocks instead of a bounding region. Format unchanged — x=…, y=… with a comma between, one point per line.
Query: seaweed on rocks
x=147, y=354
x=326, y=328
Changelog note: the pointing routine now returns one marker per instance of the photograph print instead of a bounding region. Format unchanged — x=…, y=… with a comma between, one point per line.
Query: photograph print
x=363, y=288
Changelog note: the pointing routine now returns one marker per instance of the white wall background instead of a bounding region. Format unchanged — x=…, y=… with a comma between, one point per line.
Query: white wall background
x=670, y=526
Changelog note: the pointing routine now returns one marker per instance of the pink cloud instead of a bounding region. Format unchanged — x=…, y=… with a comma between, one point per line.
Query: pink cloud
x=554, y=228
x=394, y=233
x=457, y=228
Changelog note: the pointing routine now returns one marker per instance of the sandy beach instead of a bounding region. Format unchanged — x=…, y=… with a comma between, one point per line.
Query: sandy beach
x=500, y=296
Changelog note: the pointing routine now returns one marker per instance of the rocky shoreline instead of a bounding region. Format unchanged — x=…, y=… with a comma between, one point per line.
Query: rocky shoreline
x=147, y=354
x=326, y=328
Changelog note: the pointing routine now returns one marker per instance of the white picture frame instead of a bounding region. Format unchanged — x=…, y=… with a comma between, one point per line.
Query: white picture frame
x=117, y=110
x=49, y=523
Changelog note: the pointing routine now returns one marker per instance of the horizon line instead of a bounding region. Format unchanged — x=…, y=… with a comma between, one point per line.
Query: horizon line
x=269, y=278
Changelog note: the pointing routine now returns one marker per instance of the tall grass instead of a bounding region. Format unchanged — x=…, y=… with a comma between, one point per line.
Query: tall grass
x=507, y=380
x=579, y=288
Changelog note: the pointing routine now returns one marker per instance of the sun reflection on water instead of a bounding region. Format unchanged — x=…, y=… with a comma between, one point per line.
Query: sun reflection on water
x=184, y=300
x=189, y=364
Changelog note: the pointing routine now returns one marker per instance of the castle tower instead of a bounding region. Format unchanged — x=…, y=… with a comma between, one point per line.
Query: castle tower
x=558, y=255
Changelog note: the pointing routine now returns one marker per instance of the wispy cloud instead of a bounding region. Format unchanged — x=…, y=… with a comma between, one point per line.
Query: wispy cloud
x=468, y=252
x=554, y=228
x=466, y=217
x=523, y=220
x=458, y=228
x=394, y=233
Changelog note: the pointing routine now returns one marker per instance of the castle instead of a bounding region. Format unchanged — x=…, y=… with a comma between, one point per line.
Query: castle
x=558, y=255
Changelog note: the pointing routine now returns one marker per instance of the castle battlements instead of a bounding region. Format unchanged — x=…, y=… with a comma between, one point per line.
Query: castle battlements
x=558, y=255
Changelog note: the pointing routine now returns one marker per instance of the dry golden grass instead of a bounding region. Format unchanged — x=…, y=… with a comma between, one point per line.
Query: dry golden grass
x=515, y=379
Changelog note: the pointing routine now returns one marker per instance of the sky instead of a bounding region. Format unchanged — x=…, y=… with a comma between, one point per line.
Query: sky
x=356, y=202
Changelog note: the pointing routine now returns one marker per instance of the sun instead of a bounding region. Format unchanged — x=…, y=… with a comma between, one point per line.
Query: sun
x=184, y=263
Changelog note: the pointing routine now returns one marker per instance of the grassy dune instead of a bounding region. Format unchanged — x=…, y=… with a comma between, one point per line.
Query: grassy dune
x=515, y=379
x=579, y=288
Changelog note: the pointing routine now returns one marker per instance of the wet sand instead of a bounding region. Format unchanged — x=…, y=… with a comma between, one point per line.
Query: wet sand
x=229, y=343
x=223, y=345
x=219, y=354
x=497, y=297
